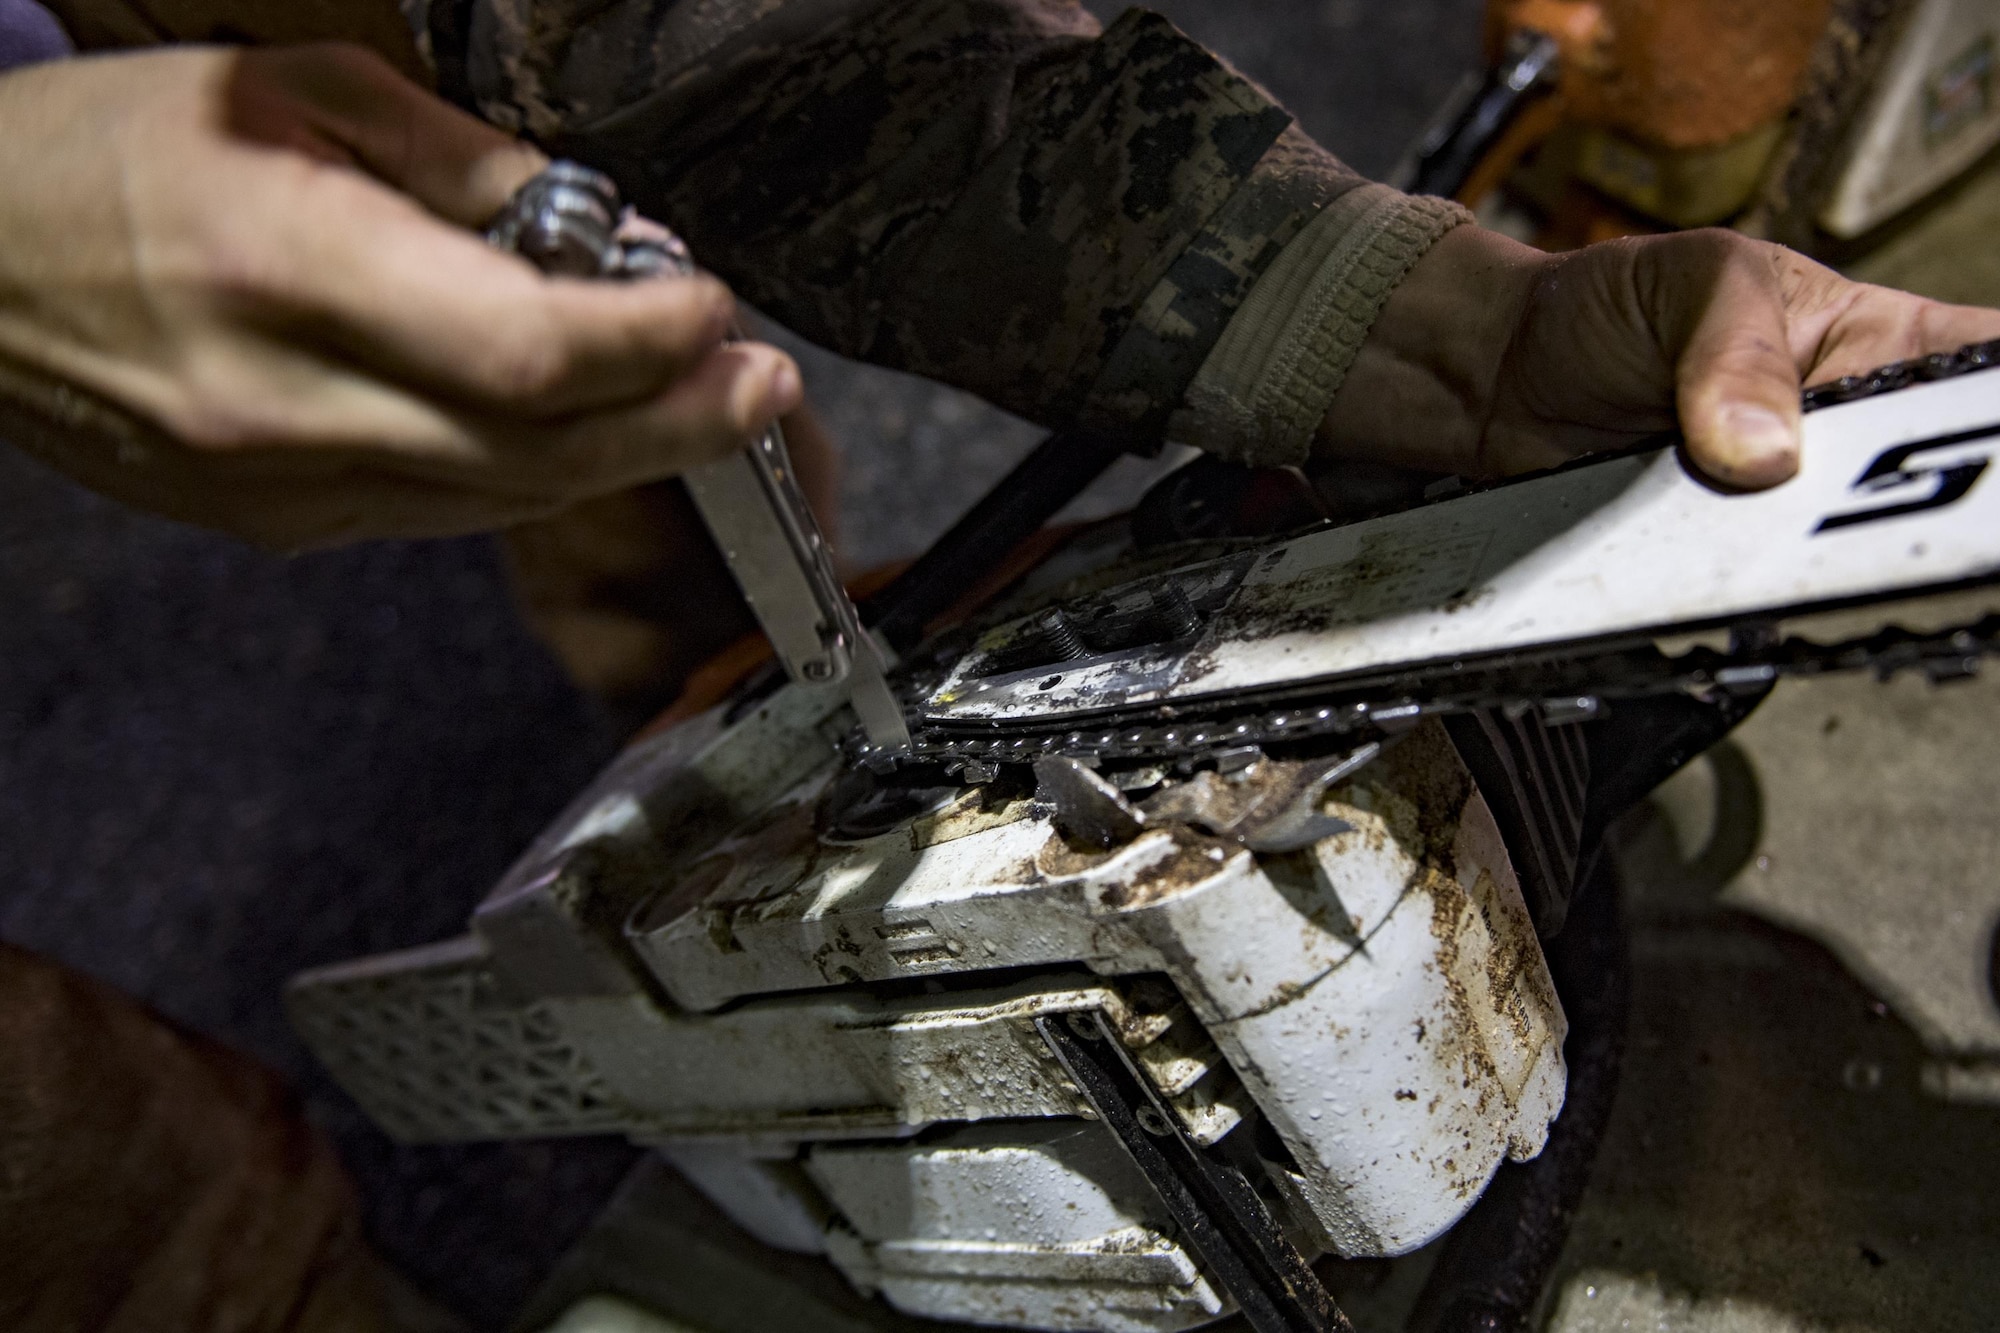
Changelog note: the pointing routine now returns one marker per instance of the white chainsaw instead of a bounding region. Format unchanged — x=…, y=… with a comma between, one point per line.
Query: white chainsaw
x=1183, y=923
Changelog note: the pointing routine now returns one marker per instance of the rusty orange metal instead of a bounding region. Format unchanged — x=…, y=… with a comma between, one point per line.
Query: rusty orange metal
x=1673, y=74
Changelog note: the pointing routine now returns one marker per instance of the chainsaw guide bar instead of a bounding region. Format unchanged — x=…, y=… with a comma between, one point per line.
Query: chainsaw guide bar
x=1552, y=591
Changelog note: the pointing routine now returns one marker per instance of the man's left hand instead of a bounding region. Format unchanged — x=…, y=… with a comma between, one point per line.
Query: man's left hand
x=1493, y=358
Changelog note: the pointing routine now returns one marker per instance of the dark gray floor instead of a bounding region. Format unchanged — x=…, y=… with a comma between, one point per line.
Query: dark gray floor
x=217, y=766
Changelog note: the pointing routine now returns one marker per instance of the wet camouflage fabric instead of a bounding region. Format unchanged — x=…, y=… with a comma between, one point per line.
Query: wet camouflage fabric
x=992, y=193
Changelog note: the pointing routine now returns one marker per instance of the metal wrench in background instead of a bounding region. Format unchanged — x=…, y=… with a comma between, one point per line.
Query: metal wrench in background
x=570, y=220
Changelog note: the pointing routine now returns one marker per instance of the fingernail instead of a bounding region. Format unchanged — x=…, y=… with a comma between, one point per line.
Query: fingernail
x=1759, y=433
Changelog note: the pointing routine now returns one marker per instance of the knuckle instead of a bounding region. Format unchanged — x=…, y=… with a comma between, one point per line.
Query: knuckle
x=224, y=404
x=1932, y=322
x=681, y=318
x=232, y=281
x=211, y=423
x=264, y=267
x=1708, y=252
x=708, y=300
x=211, y=410
x=1721, y=243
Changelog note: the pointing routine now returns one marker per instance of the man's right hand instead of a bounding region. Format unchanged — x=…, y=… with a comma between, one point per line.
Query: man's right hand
x=269, y=255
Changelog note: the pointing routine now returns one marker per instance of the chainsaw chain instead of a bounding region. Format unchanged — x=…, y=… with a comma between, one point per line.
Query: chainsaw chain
x=1563, y=685
x=1562, y=689
x=1902, y=374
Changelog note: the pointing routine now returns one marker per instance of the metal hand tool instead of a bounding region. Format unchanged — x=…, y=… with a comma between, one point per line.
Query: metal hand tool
x=570, y=220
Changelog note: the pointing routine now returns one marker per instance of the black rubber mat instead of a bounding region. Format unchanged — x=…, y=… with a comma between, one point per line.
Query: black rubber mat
x=218, y=766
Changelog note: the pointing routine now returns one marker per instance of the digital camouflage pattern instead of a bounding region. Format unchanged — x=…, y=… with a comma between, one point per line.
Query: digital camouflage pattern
x=998, y=194
x=992, y=193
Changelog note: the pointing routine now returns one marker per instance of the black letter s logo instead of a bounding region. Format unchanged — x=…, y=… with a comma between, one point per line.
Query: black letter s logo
x=1890, y=472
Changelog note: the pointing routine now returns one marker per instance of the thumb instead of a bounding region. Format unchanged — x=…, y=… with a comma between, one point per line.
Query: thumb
x=454, y=164
x=1736, y=384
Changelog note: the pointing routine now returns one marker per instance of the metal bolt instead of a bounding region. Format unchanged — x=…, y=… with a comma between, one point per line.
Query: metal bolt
x=1178, y=612
x=1063, y=635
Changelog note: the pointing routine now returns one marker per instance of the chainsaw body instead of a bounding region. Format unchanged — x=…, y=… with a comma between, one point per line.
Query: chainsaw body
x=822, y=1004
x=1193, y=932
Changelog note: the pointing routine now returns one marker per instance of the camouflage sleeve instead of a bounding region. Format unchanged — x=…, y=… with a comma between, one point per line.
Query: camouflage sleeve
x=1110, y=230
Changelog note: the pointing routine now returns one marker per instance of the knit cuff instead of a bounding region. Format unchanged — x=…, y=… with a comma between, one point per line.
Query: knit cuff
x=1261, y=393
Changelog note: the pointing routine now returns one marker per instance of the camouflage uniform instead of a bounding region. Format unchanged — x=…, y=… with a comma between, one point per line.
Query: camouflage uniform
x=1084, y=226
x=992, y=193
